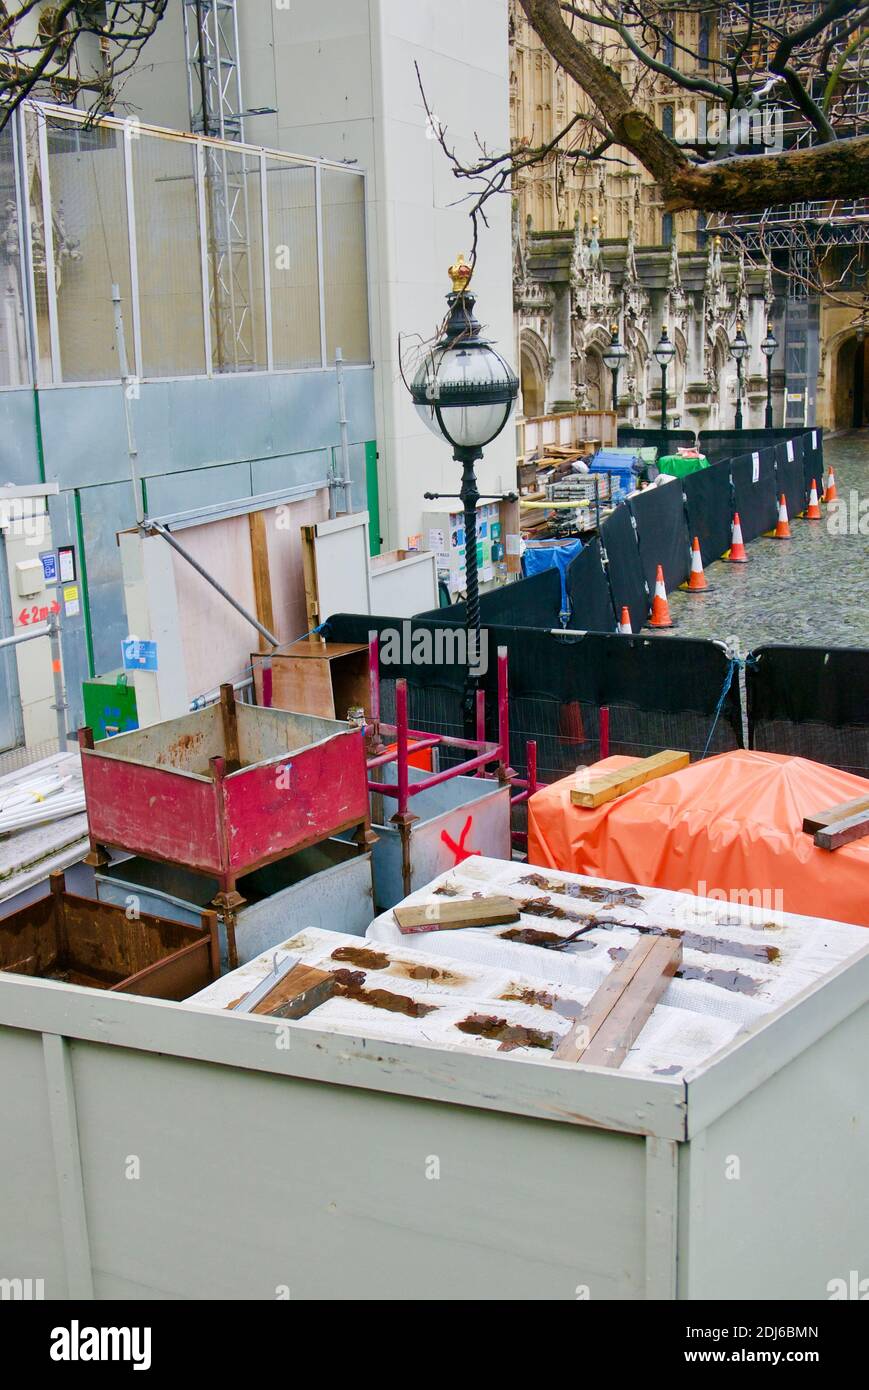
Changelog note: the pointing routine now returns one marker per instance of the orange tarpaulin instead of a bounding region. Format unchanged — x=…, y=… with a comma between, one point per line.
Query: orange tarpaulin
x=732, y=823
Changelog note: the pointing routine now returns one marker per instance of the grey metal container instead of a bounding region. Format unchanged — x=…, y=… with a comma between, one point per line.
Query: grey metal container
x=551, y=1180
x=328, y=885
x=462, y=816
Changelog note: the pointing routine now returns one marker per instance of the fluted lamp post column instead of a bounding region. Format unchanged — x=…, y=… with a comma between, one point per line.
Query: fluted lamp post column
x=465, y=391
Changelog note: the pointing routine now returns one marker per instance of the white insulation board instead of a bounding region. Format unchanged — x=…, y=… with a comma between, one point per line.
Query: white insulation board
x=739, y=963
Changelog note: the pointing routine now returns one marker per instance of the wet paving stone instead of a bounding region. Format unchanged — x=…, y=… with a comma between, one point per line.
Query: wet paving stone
x=812, y=590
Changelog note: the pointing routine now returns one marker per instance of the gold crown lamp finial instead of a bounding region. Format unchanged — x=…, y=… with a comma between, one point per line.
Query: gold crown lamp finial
x=460, y=273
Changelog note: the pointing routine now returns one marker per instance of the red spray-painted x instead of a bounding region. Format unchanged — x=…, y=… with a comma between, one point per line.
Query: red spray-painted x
x=459, y=849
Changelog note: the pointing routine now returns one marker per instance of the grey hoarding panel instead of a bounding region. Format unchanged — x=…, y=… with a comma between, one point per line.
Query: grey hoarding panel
x=196, y=422
x=19, y=455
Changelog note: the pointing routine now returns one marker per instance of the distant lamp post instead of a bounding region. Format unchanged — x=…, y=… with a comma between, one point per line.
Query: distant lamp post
x=768, y=347
x=665, y=351
x=613, y=358
x=739, y=350
x=465, y=392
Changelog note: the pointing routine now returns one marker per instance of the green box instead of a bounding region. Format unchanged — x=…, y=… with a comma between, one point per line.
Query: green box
x=110, y=705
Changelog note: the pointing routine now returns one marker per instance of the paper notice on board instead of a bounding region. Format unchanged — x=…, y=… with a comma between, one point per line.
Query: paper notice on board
x=514, y=544
x=755, y=468
x=814, y=439
x=790, y=450
x=71, y=603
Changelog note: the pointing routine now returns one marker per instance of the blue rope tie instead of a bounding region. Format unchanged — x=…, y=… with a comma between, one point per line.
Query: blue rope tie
x=733, y=666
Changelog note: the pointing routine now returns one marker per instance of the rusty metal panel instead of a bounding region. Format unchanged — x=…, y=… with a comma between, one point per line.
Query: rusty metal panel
x=152, y=811
x=283, y=805
x=152, y=792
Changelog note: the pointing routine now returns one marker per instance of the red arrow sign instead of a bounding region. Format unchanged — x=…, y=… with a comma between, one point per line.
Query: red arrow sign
x=24, y=617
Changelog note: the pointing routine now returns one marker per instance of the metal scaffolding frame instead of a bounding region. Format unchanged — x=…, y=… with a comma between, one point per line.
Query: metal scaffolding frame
x=215, y=102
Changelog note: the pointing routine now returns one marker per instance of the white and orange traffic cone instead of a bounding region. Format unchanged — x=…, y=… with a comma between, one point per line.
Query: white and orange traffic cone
x=831, y=492
x=782, y=530
x=625, y=622
x=660, y=615
x=697, y=581
x=737, y=554
x=813, y=511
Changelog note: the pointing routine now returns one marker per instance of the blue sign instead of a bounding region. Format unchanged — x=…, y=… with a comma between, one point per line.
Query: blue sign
x=49, y=567
x=139, y=656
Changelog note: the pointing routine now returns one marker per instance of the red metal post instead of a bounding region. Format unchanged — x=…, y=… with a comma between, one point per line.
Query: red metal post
x=402, y=773
x=374, y=676
x=503, y=708
x=481, y=722
x=604, y=717
x=531, y=763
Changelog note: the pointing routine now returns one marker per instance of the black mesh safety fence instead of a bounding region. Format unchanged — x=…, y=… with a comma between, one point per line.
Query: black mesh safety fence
x=657, y=526
x=625, y=568
x=811, y=702
x=754, y=494
x=660, y=692
x=709, y=510
x=588, y=590
x=665, y=441
x=813, y=459
x=725, y=444
x=532, y=602
x=789, y=478
x=662, y=532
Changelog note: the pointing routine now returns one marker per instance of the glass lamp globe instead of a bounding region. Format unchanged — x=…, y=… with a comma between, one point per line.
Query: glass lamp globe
x=616, y=353
x=769, y=343
x=665, y=350
x=464, y=390
x=739, y=346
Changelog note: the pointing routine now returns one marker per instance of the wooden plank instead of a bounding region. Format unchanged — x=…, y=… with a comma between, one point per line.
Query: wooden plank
x=615, y=1038
x=455, y=912
x=602, y=1002
x=608, y=786
x=842, y=832
x=298, y=993
x=309, y=566
x=229, y=717
x=262, y=584
x=615, y=1015
x=821, y=819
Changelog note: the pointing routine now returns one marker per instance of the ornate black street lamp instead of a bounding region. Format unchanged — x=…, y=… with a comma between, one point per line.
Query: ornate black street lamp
x=768, y=348
x=613, y=358
x=665, y=351
x=465, y=391
x=739, y=350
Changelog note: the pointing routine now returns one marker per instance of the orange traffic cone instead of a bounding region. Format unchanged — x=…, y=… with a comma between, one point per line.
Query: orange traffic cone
x=625, y=621
x=831, y=493
x=782, y=530
x=660, y=616
x=737, y=555
x=813, y=511
x=697, y=581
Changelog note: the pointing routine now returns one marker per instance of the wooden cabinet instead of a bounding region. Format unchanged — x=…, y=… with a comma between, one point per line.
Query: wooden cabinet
x=317, y=677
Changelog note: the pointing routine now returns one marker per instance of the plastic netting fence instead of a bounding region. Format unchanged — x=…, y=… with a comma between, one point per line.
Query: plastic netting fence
x=811, y=702
x=660, y=692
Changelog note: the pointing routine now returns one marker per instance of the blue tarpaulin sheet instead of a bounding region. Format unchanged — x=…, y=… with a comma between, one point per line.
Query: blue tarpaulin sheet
x=546, y=557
